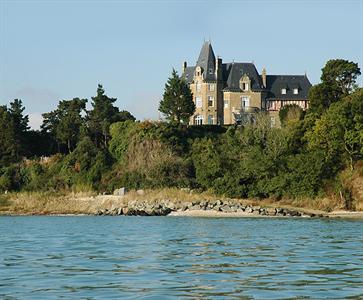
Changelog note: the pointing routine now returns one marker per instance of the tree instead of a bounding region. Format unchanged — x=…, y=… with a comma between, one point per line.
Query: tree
x=338, y=80
x=177, y=103
x=290, y=114
x=20, y=123
x=103, y=115
x=341, y=75
x=70, y=121
x=7, y=138
x=339, y=131
x=65, y=122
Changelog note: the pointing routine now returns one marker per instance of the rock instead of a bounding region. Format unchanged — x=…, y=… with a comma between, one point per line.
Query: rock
x=125, y=211
x=119, y=211
x=140, y=192
x=249, y=209
x=226, y=208
x=270, y=211
x=195, y=207
x=217, y=208
x=120, y=192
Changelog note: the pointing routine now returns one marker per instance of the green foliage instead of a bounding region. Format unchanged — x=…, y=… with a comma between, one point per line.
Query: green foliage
x=177, y=103
x=290, y=114
x=8, y=147
x=65, y=123
x=103, y=114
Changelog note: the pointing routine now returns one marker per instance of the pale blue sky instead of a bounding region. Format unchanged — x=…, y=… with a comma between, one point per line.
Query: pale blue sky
x=54, y=50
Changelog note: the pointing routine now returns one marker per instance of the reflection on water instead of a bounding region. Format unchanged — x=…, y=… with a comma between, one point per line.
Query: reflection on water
x=170, y=257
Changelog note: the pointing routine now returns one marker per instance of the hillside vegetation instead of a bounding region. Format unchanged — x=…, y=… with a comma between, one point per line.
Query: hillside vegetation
x=316, y=154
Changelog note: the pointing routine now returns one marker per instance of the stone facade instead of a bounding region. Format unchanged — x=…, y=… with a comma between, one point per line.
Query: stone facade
x=230, y=93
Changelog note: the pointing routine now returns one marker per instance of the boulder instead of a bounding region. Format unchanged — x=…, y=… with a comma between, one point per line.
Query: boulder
x=270, y=211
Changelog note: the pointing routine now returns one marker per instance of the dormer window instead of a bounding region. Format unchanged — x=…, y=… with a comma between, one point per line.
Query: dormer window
x=245, y=83
x=210, y=71
x=296, y=91
x=283, y=91
x=198, y=71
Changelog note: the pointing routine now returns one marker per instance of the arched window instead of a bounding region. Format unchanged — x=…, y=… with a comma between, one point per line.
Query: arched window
x=198, y=120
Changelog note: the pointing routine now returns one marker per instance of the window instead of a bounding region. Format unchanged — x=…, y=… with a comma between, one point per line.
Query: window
x=198, y=86
x=225, y=103
x=211, y=71
x=210, y=101
x=245, y=101
x=245, y=86
x=210, y=120
x=283, y=91
x=296, y=91
x=198, y=120
x=198, y=102
x=211, y=87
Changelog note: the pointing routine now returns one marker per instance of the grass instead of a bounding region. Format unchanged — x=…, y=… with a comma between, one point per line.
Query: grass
x=89, y=203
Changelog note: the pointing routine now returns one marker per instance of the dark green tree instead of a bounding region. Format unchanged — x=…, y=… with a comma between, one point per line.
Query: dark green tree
x=70, y=121
x=103, y=114
x=20, y=122
x=177, y=103
x=341, y=75
x=7, y=138
x=338, y=79
x=65, y=123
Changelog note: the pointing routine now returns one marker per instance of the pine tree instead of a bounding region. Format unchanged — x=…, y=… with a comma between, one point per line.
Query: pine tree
x=20, y=124
x=177, y=103
x=7, y=138
x=104, y=113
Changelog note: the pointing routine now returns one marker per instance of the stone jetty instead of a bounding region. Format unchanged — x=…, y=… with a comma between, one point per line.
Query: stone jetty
x=168, y=207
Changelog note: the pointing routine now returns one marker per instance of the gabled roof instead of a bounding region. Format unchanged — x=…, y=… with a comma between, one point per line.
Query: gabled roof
x=234, y=71
x=275, y=83
x=207, y=61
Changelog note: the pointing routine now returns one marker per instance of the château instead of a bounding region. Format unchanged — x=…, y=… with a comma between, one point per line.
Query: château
x=230, y=93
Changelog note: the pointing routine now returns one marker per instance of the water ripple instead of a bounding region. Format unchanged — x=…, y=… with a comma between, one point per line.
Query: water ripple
x=191, y=258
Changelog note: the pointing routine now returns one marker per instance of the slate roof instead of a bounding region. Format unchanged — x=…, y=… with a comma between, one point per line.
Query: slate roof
x=274, y=84
x=233, y=73
x=207, y=61
x=189, y=74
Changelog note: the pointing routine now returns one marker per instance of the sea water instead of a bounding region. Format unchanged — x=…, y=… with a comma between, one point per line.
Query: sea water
x=50, y=257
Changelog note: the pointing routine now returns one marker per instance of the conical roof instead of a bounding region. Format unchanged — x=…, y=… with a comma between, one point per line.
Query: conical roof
x=207, y=61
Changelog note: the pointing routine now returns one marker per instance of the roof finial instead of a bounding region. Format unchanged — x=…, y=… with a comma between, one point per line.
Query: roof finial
x=305, y=73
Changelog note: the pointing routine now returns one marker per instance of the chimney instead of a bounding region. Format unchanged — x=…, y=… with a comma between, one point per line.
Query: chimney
x=184, y=66
x=264, y=77
x=218, y=67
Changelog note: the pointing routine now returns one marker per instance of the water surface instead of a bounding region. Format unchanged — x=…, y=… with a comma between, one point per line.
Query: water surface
x=176, y=257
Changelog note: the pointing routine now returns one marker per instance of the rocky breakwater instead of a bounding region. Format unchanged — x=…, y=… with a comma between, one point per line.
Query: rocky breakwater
x=166, y=207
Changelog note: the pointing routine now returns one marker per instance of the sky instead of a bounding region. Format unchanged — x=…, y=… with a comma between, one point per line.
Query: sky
x=61, y=49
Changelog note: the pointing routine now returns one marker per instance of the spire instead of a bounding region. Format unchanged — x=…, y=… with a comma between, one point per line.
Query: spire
x=207, y=59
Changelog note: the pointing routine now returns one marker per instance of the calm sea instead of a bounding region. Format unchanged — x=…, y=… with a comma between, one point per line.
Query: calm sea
x=176, y=257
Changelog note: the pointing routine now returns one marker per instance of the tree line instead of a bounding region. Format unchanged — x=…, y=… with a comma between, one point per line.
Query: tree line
x=105, y=148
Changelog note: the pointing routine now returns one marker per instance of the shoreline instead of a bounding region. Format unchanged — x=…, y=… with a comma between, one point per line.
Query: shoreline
x=173, y=203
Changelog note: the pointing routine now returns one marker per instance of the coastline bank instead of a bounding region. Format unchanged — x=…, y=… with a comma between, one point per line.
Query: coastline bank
x=172, y=202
